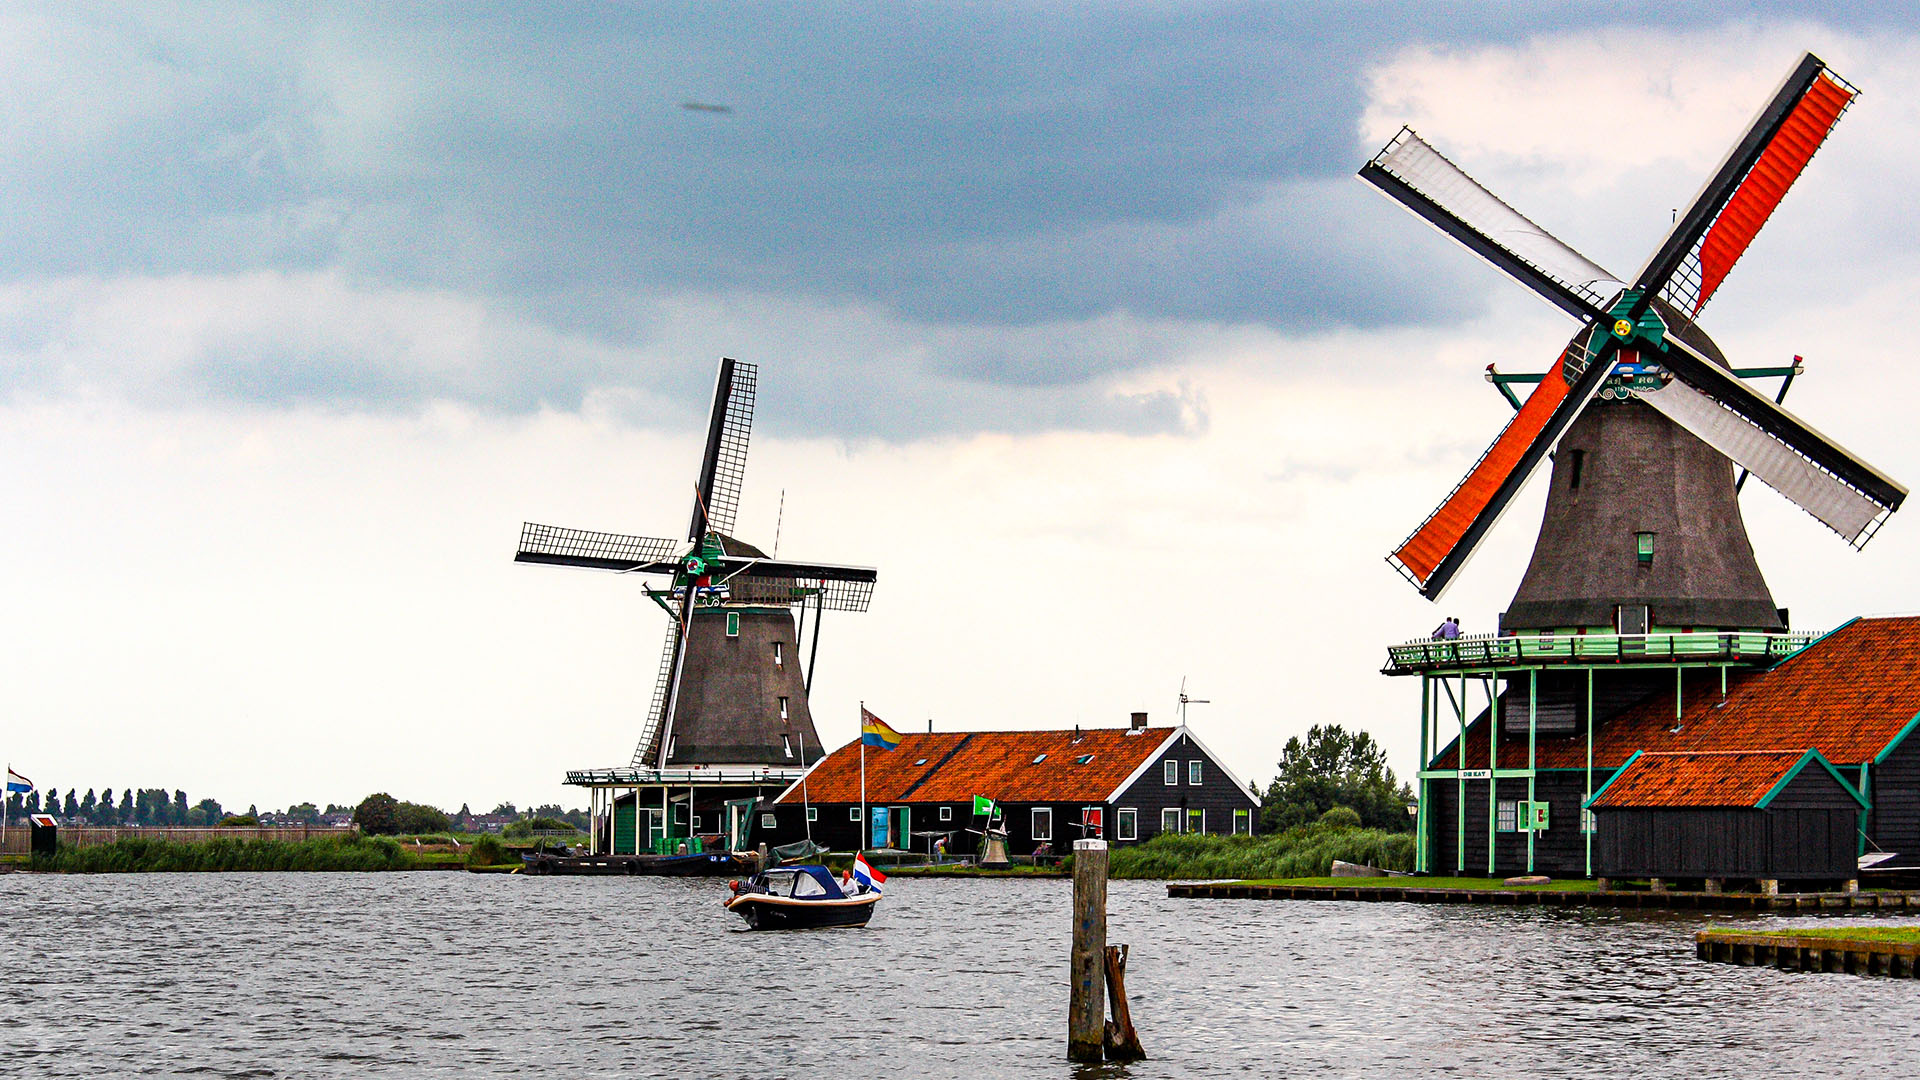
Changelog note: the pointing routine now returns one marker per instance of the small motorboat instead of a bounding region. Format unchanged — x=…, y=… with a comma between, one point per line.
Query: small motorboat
x=800, y=898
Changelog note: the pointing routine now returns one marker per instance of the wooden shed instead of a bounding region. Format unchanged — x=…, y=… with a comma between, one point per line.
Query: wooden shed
x=1762, y=815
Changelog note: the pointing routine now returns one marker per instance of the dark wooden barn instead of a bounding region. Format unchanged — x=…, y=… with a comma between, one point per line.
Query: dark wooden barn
x=1755, y=815
x=1052, y=787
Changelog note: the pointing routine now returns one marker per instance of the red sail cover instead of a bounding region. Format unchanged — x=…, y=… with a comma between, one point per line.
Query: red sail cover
x=1443, y=531
x=1767, y=183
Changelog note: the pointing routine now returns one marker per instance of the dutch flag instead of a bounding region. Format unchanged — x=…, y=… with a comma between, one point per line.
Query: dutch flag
x=17, y=783
x=867, y=875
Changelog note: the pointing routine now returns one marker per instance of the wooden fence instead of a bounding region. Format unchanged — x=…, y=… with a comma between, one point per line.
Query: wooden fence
x=18, y=834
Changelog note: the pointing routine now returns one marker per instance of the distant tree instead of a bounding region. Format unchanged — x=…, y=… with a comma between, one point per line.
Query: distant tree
x=197, y=818
x=88, y=805
x=305, y=811
x=52, y=800
x=17, y=806
x=236, y=821
x=108, y=814
x=1333, y=767
x=505, y=808
x=415, y=818
x=253, y=811
x=126, y=805
x=378, y=815
x=210, y=810
x=178, y=815
x=30, y=804
x=72, y=810
x=332, y=809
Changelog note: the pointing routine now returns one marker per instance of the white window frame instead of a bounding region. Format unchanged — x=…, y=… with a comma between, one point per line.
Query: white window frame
x=853, y=813
x=813, y=813
x=1240, y=816
x=1126, y=823
x=1170, y=772
x=1506, y=817
x=1194, y=773
x=1176, y=815
x=946, y=813
x=768, y=821
x=783, y=708
x=696, y=823
x=1589, y=823
x=1203, y=819
x=786, y=744
x=1038, y=813
x=778, y=659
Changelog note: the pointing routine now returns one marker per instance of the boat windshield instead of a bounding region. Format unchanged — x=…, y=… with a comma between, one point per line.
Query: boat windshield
x=798, y=883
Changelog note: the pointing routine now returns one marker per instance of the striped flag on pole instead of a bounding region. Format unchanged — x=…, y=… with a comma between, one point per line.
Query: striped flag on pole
x=17, y=783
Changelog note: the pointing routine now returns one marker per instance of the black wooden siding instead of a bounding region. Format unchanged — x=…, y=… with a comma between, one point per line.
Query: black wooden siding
x=1802, y=843
x=1895, y=793
x=1216, y=794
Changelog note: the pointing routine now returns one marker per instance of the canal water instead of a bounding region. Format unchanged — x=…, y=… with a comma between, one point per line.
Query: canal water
x=293, y=975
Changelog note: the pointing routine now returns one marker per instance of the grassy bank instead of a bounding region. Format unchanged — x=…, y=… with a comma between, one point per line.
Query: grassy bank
x=1304, y=852
x=1471, y=884
x=142, y=855
x=1907, y=935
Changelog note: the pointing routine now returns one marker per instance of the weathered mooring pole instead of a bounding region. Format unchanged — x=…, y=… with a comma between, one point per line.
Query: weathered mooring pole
x=1086, y=1008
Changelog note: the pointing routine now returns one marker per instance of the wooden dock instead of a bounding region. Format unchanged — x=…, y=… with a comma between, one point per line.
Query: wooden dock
x=1615, y=898
x=1809, y=951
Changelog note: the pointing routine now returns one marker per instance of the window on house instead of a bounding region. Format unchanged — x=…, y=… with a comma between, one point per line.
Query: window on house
x=679, y=813
x=1083, y=759
x=1507, y=816
x=1043, y=823
x=813, y=813
x=920, y=761
x=787, y=745
x=783, y=708
x=1197, y=821
x=1170, y=819
x=1193, y=773
x=778, y=659
x=766, y=821
x=946, y=813
x=1038, y=758
x=853, y=813
x=696, y=823
x=1588, y=823
x=673, y=743
x=1171, y=771
x=733, y=624
x=1243, y=823
x=1126, y=823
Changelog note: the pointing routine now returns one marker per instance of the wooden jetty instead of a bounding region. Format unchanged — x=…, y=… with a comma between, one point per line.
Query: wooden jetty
x=1810, y=950
x=1533, y=897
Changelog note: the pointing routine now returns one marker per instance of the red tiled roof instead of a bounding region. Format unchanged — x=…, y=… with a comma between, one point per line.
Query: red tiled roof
x=1725, y=778
x=1847, y=695
x=954, y=766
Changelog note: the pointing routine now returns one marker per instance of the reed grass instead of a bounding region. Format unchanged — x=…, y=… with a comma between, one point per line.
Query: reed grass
x=1302, y=852
x=143, y=855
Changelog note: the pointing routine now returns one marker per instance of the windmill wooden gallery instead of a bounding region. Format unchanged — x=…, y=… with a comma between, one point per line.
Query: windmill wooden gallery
x=1645, y=709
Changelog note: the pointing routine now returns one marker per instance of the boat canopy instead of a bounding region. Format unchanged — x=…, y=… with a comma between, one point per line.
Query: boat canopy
x=802, y=883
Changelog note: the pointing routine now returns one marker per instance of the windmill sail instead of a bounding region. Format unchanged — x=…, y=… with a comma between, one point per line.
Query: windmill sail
x=1737, y=199
x=647, y=753
x=1441, y=193
x=1843, y=508
x=1442, y=544
x=724, y=466
x=557, y=546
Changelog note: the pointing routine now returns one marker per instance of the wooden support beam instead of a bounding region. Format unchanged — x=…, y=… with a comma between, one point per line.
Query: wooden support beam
x=1086, y=1005
x=1122, y=1042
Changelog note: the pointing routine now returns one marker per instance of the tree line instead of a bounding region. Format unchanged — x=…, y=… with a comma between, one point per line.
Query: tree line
x=144, y=806
x=1330, y=768
x=156, y=807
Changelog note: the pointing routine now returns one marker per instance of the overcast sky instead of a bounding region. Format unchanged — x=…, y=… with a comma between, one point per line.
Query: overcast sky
x=1070, y=319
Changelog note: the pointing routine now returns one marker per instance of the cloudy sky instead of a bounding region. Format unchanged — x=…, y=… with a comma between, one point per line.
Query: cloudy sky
x=1070, y=319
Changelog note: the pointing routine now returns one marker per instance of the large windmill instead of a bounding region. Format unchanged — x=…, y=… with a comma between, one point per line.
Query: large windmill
x=1641, y=525
x=1642, y=581
x=729, y=704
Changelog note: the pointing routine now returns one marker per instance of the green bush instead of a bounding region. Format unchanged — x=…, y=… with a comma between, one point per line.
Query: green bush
x=486, y=851
x=529, y=826
x=148, y=855
x=1305, y=851
x=239, y=821
x=1341, y=817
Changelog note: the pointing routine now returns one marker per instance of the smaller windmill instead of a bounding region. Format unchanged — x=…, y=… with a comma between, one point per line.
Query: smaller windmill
x=730, y=689
x=1643, y=399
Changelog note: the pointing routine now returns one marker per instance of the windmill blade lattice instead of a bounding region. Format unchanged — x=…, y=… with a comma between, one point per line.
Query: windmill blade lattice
x=724, y=467
x=647, y=752
x=559, y=546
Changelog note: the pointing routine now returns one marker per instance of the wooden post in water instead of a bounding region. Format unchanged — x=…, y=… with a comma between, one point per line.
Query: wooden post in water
x=1086, y=1007
x=1122, y=1042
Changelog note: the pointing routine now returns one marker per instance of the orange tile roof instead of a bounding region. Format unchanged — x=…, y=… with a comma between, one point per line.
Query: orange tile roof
x=954, y=766
x=1847, y=695
x=1724, y=778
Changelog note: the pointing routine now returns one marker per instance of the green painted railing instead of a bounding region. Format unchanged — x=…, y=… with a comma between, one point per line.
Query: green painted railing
x=1532, y=650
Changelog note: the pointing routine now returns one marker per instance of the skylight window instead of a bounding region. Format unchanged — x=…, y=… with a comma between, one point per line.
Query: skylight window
x=1039, y=759
x=1083, y=759
x=922, y=761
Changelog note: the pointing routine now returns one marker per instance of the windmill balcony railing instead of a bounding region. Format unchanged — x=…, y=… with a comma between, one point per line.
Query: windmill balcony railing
x=680, y=777
x=1484, y=651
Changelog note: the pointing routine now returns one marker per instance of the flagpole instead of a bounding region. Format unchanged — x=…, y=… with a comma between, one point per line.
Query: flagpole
x=864, y=827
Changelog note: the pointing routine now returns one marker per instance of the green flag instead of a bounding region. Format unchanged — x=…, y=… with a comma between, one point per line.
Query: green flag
x=982, y=806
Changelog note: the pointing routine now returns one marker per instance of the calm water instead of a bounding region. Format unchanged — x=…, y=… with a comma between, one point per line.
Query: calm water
x=410, y=974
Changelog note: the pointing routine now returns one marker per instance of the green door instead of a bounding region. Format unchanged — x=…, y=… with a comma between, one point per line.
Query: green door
x=902, y=820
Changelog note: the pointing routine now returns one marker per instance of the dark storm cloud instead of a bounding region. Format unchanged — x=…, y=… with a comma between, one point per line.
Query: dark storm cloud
x=962, y=169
